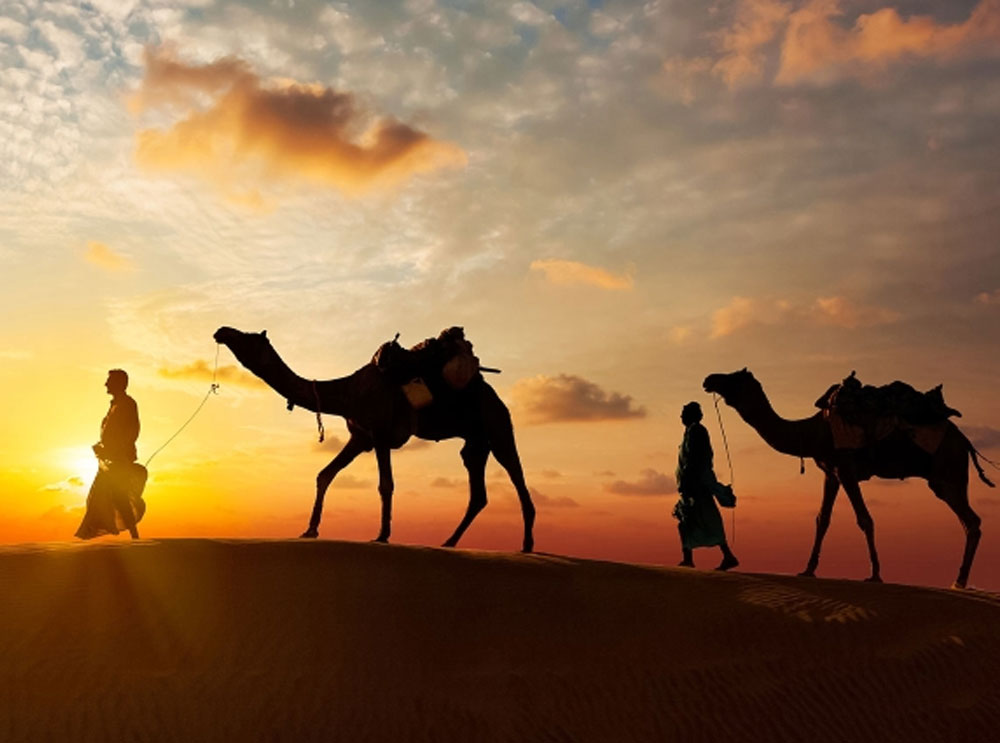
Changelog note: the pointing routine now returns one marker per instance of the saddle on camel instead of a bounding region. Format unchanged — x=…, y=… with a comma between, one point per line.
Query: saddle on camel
x=862, y=415
x=433, y=368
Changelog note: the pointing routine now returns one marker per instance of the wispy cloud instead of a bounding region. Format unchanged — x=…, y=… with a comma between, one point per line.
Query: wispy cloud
x=552, y=501
x=69, y=485
x=14, y=354
x=104, y=257
x=650, y=482
x=983, y=437
x=201, y=371
x=572, y=272
x=567, y=397
x=836, y=311
x=241, y=132
x=992, y=297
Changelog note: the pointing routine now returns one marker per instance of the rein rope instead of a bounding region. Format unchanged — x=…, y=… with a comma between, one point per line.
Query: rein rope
x=213, y=389
x=319, y=417
x=729, y=461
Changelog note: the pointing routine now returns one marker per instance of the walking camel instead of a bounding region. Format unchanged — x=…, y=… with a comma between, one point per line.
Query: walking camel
x=894, y=457
x=379, y=417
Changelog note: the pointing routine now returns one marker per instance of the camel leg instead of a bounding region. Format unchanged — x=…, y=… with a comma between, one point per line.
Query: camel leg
x=831, y=486
x=352, y=448
x=957, y=498
x=506, y=454
x=385, y=487
x=474, y=457
x=865, y=522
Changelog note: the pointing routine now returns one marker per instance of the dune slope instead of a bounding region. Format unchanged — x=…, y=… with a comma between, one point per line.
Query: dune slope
x=207, y=640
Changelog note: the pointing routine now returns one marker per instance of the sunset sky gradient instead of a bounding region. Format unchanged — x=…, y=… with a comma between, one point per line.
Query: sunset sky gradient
x=614, y=199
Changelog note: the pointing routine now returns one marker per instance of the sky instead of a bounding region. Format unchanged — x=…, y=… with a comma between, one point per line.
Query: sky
x=614, y=199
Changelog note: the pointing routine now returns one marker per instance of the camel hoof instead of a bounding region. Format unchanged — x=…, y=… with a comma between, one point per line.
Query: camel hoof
x=380, y=540
x=450, y=543
x=807, y=574
x=958, y=586
x=309, y=534
x=873, y=579
x=529, y=546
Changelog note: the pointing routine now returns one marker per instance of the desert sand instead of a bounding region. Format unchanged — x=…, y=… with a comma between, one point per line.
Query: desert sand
x=214, y=640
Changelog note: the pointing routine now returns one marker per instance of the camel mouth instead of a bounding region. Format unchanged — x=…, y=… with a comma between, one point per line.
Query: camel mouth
x=220, y=335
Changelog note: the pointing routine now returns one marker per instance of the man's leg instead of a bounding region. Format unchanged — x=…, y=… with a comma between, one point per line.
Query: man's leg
x=728, y=558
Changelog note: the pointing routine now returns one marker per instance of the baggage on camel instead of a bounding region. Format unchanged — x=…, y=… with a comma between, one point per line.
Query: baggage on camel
x=432, y=367
x=860, y=415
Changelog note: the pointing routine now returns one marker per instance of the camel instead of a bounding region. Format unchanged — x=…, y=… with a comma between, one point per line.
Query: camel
x=894, y=457
x=379, y=417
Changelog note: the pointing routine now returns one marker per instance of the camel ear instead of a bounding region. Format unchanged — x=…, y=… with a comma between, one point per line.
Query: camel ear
x=263, y=334
x=744, y=370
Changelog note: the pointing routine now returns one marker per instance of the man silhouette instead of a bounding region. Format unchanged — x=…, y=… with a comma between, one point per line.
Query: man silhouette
x=700, y=523
x=114, y=500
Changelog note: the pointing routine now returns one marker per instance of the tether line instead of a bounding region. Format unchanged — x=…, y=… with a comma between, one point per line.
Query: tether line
x=729, y=461
x=212, y=390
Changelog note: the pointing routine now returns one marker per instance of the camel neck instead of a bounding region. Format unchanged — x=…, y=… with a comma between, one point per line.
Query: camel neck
x=800, y=437
x=331, y=396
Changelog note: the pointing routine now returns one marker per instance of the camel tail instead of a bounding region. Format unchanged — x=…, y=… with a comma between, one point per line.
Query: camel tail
x=976, y=454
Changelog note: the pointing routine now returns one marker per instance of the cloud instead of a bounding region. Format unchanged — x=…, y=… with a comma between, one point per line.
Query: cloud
x=845, y=314
x=69, y=485
x=572, y=272
x=982, y=437
x=329, y=444
x=992, y=297
x=548, y=501
x=104, y=257
x=816, y=41
x=817, y=45
x=242, y=132
x=201, y=371
x=15, y=355
x=650, y=482
x=835, y=311
x=570, y=398
x=757, y=22
x=744, y=311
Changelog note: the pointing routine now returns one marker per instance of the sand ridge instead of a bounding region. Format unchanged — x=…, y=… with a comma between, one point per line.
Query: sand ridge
x=247, y=640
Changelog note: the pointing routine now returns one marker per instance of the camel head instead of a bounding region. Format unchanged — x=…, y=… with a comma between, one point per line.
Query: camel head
x=253, y=350
x=735, y=388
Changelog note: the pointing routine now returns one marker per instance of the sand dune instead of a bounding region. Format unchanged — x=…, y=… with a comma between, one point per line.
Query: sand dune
x=201, y=640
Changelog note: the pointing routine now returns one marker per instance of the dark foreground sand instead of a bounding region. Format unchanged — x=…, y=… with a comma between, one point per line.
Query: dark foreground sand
x=197, y=640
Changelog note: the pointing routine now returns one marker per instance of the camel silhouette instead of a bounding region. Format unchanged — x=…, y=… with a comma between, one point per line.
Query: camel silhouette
x=894, y=457
x=379, y=417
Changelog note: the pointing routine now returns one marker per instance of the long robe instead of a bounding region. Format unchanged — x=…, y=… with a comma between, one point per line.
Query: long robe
x=697, y=512
x=115, y=499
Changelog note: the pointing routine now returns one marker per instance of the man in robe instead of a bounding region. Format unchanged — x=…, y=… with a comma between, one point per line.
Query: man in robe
x=700, y=523
x=115, y=499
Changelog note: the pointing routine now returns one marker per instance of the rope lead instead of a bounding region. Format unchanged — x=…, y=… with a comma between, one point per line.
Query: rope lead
x=213, y=389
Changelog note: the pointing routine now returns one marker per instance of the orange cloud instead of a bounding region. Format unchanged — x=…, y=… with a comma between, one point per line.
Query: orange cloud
x=568, y=398
x=845, y=314
x=816, y=46
x=650, y=482
x=101, y=255
x=757, y=23
x=572, y=272
x=813, y=43
x=992, y=297
x=239, y=131
x=742, y=312
x=201, y=371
